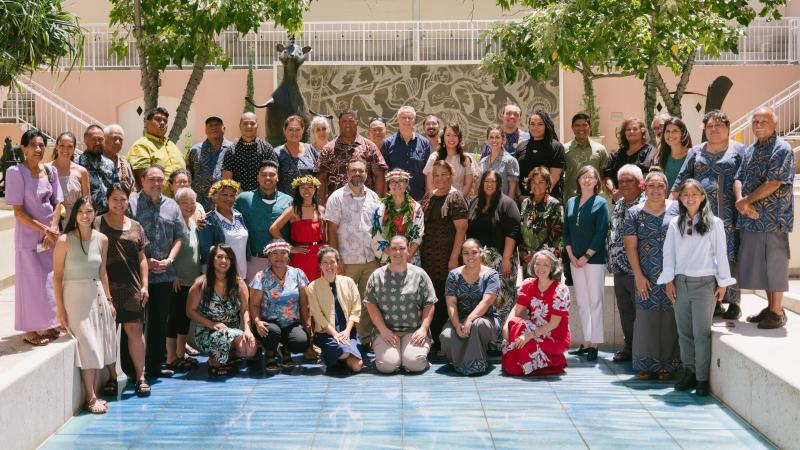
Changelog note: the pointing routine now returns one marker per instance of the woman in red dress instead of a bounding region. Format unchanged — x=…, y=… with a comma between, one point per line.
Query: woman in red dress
x=535, y=345
x=307, y=226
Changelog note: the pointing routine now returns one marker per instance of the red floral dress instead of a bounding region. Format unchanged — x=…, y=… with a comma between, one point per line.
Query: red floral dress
x=542, y=355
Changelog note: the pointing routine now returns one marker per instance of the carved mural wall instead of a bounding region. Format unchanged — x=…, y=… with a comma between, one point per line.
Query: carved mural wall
x=461, y=93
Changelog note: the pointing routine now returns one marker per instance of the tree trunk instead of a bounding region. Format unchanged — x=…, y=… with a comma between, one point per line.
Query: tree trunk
x=673, y=101
x=188, y=96
x=149, y=77
x=589, y=100
x=650, y=101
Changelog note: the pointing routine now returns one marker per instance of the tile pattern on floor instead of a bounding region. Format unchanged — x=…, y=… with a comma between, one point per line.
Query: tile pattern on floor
x=593, y=406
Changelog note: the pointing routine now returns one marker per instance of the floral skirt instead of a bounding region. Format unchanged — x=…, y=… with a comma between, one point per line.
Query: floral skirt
x=507, y=297
x=542, y=355
x=217, y=344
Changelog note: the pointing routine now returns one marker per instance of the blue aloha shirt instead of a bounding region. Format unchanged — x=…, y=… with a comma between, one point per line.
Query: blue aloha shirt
x=280, y=304
x=617, y=258
x=163, y=225
x=771, y=160
x=102, y=175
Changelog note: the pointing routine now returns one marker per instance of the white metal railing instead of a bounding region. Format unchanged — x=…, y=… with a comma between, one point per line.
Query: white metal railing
x=786, y=105
x=34, y=105
x=766, y=42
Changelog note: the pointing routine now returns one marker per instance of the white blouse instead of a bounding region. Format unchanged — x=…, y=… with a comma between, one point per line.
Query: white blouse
x=696, y=255
x=236, y=237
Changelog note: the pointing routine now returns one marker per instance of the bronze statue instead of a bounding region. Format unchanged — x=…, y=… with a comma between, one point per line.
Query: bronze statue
x=287, y=99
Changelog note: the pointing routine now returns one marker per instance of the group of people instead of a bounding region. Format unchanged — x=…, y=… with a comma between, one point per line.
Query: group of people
x=400, y=245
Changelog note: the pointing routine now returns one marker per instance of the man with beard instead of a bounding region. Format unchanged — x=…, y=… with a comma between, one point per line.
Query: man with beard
x=102, y=171
x=349, y=216
x=431, y=126
x=241, y=162
x=154, y=148
x=332, y=162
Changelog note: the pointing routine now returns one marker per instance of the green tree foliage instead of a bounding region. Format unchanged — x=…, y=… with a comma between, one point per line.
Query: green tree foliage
x=619, y=38
x=183, y=32
x=36, y=34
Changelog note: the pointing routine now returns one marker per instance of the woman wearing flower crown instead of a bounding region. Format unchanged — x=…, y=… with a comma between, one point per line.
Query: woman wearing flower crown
x=225, y=225
x=398, y=214
x=307, y=225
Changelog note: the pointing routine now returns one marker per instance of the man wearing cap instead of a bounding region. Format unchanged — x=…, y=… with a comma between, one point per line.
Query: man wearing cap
x=400, y=301
x=204, y=160
x=408, y=150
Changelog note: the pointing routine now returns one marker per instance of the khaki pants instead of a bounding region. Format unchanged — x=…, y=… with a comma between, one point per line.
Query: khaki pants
x=360, y=274
x=389, y=359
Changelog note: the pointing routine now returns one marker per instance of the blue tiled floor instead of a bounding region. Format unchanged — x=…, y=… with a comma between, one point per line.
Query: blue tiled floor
x=599, y=405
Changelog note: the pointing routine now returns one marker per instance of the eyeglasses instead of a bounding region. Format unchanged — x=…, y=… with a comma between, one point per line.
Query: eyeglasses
x=689, y=230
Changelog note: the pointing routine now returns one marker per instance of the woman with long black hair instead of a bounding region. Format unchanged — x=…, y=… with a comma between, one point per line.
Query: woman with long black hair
x=542, y=149
x=494, y=221
x=83, y=300
x=218, y=303
x=697, y=239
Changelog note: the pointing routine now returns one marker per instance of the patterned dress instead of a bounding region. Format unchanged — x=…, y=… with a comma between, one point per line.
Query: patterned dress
x=542, y=355
x=716, y=172
x=655, y=342
x=218, y=343
x=469, y=356
x=541, y=228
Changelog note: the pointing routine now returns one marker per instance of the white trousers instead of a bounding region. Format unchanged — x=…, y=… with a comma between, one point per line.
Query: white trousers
x=589, y=284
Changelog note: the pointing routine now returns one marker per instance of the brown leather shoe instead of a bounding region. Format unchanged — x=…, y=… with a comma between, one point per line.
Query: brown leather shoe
x=758, y=317
x=773, y=320
x=733, y=312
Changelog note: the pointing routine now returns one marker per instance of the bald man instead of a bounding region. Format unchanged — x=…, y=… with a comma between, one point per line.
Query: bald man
x=241, y=162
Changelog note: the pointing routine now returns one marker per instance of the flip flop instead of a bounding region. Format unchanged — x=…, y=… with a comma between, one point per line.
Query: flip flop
x=142, y=388
x=37, y=341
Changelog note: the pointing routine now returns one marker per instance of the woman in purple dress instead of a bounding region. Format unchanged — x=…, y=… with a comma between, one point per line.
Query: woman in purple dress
x=34, y=191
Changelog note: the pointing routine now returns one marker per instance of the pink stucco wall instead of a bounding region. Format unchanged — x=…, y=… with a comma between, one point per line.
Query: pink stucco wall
x=624, y=97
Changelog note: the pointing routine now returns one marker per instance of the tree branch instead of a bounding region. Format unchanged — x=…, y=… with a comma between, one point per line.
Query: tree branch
x=181, y=114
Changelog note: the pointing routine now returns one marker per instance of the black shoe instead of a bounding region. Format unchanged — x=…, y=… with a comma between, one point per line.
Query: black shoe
x=591, y=354
x=733, y=312
x=703, y=388
x=580, y=351
x=718, y=311
x=688, y=381
x=758, y=317
x=773, y=320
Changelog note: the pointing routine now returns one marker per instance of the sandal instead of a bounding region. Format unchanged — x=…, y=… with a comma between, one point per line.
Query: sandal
x=272, y=367
x=664, y=375
x=220, y=370
x=142, y=388
x=52, y=334
x=37, y=340
x=96, y=407
x=191, y=361
x=111, y=387
x=179, y=365
x=288, y=362
x=645, y=375
x=622, y=356
x=310, y=354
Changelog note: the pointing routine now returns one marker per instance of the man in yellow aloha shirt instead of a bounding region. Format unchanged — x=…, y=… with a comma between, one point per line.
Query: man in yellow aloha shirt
x=155, y=148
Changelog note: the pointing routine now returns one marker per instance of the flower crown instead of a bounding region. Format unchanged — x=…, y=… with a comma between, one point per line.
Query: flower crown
x=277, y=246
x=216, y=187
x=308, y=179
x=397, y=175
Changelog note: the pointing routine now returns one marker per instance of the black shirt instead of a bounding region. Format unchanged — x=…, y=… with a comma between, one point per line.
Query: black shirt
x=244, y=159
x=532, y=153
x=644, y=158
x=494, y=226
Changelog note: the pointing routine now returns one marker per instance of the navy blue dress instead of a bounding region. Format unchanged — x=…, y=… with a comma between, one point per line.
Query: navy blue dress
x=332, y=350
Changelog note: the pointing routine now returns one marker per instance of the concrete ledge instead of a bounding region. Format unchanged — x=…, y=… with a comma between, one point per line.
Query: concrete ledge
x=757, y=373
x=791, y=299
x=612, y=331
x=40, y=389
